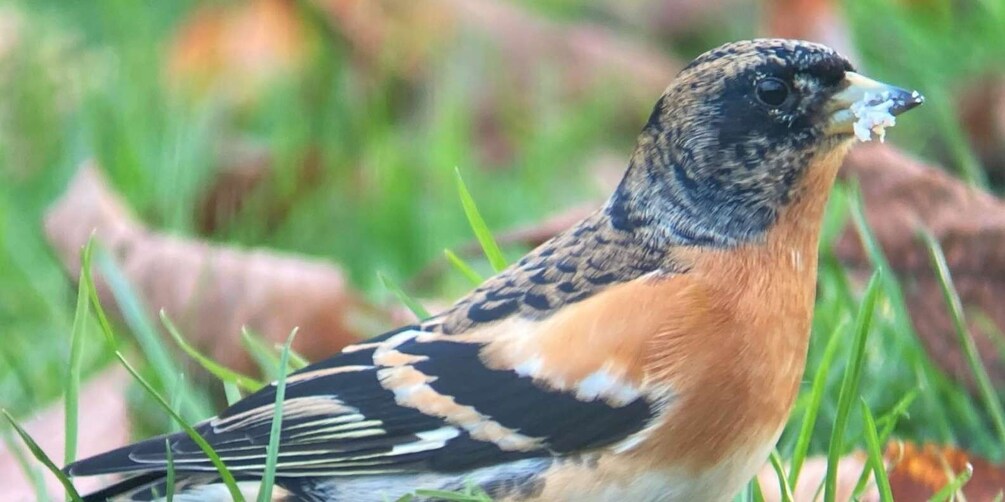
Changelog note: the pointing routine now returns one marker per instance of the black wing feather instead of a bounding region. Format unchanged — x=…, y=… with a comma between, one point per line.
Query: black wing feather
x=373, y=433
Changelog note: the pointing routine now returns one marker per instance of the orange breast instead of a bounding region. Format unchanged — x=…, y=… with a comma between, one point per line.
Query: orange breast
x=733, y=341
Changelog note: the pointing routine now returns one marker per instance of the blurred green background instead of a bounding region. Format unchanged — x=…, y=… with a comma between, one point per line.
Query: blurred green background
x=354, y=115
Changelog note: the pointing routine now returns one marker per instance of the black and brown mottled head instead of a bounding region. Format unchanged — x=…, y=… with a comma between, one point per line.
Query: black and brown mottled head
x=729, y=139
x=721, y=156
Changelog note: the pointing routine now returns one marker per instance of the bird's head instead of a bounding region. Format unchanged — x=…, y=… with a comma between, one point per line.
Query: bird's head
x=729, y=142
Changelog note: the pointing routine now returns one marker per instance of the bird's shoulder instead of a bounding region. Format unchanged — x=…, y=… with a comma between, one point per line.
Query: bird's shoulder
x=577, y=264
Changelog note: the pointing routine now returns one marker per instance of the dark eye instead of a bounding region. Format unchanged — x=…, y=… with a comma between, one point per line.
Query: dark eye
x=772, y=91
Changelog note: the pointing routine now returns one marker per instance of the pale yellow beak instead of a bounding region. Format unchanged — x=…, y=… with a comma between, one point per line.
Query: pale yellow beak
x=865, y=91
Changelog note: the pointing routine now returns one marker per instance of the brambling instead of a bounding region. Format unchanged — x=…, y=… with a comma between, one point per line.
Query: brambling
x=651, y=352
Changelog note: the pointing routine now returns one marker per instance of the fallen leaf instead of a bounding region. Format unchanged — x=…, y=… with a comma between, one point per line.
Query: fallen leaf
x=103, y=423
x=902, y=195
x=982, y=114
x=11, y=29
x=237, y=48
x=919, y=472
x=579, y=54
x=248, y=173
x=211, y=291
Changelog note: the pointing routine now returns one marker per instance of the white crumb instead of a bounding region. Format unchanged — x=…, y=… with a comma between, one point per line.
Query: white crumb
x=872, y=114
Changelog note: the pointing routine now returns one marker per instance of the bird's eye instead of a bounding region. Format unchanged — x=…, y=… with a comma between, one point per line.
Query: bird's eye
x=772, y=92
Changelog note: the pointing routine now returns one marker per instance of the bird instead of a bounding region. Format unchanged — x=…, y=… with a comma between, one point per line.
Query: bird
x=651, y=352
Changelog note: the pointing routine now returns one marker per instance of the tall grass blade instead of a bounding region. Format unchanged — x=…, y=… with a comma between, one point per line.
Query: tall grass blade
x=478, y=226
x=225, y=475
x=955, y=306
x=194, y=403
x=297, y=361
x=169, y=473
x=218, y=370
x=850, y=382
x=403, y=297
x=71, y=400
x=756, y=494
x=875, y=450
x=926, y=373
x=817, y=392
x=783, y=482
x=462, y=266
x=885, y=424
x=42, y=457
x=232, y=393
x=31, y=473
x=207, y=449
x=266, y=358
x=272, y=451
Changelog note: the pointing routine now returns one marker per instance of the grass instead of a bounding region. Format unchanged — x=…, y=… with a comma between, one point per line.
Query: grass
x=87, y=82
x=850, y=383
x=272, y=451
x=875, y=449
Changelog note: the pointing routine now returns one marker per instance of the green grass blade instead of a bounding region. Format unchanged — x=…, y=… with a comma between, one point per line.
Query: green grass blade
x=783, y=482
x=403, y=297
x=232, y=393
x=955, y=306
x=42, y=457
x=194, y=402
x=885, y=424
x=462, y=266
x=225, y=475
x=478, y=226
x=272, y=451
x=889, y=420
x=817, y=392
x=756, y=494
x=266, y=358
x=169, y=475
x=955, y=485
x=850, y=383
x=452, y=496
x=71, y=400
x=875, y=450
x=31, y=473
x=207, y=449
x=297, y=361
x=218, y=370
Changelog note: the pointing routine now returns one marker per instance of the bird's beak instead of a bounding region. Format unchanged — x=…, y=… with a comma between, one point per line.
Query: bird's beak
x=859, y=94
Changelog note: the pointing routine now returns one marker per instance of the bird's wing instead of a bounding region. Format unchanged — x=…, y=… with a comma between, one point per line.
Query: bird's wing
x=550, y=371
x=415, y=401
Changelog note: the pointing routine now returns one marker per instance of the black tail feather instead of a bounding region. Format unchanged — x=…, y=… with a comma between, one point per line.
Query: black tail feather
x=124, y=486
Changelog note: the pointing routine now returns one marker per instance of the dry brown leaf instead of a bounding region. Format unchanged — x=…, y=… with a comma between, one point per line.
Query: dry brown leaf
x=103, y=422
x=11, y=27
x=982, y=115
x=902, y=195
x=211, y=291
x=237, y=48
x=920, y=471
x=580, y=54
x=246, y=172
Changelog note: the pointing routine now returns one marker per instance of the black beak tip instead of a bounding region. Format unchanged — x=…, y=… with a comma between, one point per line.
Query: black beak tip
x=906, y=100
